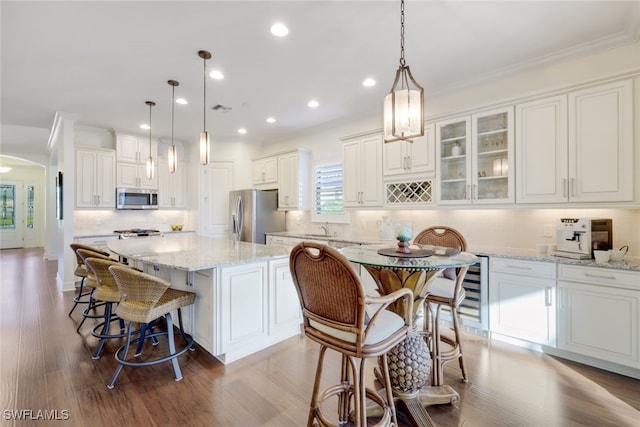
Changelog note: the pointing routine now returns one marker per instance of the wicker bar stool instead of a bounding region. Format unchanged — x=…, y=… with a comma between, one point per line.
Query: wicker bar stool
x=106, y=291
x=340, y=316
x=145, y=299
x=91, y=283
x=447, y=291
x=81, y=272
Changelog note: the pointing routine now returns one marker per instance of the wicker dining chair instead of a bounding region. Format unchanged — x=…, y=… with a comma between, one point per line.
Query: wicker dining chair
x=106, y=291
x=81, y=272
x=446, y=290
x=340, y=316
x=90, y=312
x=144, y=299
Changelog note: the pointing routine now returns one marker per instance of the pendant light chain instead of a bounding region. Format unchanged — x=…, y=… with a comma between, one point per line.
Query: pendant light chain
x=402, y=61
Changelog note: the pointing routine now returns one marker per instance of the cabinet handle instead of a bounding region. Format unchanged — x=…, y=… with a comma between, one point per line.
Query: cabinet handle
x=474, y=196
x=409, y=163
x=547, y=296
x=565, y=187
x=573, y=187
x=598, y=276
x=98, y=197
x=519, y=267
x=466, y=191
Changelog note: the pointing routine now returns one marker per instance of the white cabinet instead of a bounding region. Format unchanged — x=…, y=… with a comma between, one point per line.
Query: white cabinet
x=410, y=158
x=293, y=180
x=95, y=178
x=522, y=300
x=599, y=313
x=242, y=309
x=131, y=175
x=264, y=173
x=362, y=171
x=203, y=330
x=135, y=149
x=172, y=187
x=285, y=314
x=475, y=156
x=584, y=140
x=278, y=241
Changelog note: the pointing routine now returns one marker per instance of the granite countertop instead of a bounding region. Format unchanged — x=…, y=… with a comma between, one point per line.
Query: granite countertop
x=190, y=252
x=628, y=263
x=112, y=234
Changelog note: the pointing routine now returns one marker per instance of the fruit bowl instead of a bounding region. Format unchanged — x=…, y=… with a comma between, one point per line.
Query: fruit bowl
x=176, y=227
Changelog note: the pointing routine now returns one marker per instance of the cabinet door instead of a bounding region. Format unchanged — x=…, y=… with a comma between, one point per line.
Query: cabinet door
x=86, y=176
x=601, y=143
x=370, y=167
x=264, y=171
x=600, y=321
x=127, y=175
x=203, y=309
x=127, y=149
x=285, y=315
x=288, y=181
x=492, y=162
x=243, y=307
x=542, y=151
x=394, y=158
x=421, y=152
x=351, y=173
x=522, y=307
x=172, y=186
x=106, y=180
x=453, y=151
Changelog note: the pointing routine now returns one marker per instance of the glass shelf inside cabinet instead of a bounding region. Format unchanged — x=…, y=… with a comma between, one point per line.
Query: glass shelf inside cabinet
x=492, y=124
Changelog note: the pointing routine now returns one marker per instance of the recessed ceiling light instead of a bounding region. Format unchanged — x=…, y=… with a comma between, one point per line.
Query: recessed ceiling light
x=144, y=126
x=271, y=120
x=368, y=82
x=181, y=101
x=216, y=75
x=279, y=29
x=242, y=131
x=313, y=103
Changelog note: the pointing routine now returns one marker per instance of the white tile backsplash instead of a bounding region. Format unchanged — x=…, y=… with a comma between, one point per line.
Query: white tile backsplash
x=96, y=222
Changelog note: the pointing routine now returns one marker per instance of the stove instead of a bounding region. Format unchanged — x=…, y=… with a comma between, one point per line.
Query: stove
x=136, y=232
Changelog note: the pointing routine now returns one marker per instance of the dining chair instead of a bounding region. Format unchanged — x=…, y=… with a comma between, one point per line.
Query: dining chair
x=81, y=272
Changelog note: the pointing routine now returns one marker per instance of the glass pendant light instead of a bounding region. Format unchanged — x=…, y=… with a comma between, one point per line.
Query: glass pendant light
x=150, y=165
x=172, y=155
x=404, y=105
x=205, y=143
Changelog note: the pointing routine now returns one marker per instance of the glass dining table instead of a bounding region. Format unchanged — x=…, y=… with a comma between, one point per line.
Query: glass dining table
x=416, y=379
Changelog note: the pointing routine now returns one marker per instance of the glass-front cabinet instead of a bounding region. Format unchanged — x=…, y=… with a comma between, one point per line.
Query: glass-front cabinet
x=475, y=155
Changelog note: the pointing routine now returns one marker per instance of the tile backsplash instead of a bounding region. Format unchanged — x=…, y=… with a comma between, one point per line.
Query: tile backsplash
x=96, y=222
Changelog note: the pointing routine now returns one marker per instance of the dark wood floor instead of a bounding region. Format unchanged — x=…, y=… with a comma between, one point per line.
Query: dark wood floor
x=46, y=366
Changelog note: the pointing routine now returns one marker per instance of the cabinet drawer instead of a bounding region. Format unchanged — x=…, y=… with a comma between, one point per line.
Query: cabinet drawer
x=600, y=276
x=522, y=267
x=277, y=240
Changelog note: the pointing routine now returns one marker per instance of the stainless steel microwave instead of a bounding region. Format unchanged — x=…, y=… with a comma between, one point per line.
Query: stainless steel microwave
x=136, y=198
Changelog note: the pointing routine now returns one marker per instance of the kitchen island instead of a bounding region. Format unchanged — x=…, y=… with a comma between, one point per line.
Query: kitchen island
x=245, y=298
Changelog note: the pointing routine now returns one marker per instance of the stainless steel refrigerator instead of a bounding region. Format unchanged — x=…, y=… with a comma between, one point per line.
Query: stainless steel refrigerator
x=254, y=213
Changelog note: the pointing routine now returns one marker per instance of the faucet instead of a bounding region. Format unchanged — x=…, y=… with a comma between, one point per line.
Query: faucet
x=325, y=228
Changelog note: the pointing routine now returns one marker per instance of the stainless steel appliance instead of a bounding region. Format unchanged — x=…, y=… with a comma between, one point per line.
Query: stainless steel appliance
x=136, y=198
x=136, y=233
x=254, y=213
x=578, y=237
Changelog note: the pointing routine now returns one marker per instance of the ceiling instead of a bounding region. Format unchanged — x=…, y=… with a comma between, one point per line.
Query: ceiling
x=103, y=60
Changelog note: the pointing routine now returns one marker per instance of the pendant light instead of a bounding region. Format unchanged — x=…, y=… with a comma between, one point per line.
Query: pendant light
x=172, y=155
x=404, y=105
x=205, y=143
x=150, y=165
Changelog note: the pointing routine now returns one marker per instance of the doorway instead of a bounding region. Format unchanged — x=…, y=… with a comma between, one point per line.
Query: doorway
x=17, y=215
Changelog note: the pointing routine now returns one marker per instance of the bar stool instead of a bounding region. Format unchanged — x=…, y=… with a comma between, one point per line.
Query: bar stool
x=91, y=283
x=334, y=307
x=81, y=271
x=106, y=291
x=144, y=299
x=447, y=291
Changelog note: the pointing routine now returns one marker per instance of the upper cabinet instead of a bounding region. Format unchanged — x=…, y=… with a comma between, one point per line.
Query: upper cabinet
x=172, y=187
x=95, y=178
x=293, y=180
x=475, y=155
x=576, y=147
x=132, y=153
x=410, y=159
x=264, y=173
x=362, y=171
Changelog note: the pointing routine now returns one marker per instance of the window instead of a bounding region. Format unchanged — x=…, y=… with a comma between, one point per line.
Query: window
x=30, y=205
x=7, y=204
x=328, y=206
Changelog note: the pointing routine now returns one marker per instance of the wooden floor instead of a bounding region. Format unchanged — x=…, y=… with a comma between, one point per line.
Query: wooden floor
x=46, y=366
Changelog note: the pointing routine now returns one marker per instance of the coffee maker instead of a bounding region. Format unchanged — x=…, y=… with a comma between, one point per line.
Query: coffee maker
x=577, y=238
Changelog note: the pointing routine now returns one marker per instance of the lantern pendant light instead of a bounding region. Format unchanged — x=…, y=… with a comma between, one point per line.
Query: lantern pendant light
x=172, y=155
x=205, y=143
x=150, y=165
x=404, y=105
